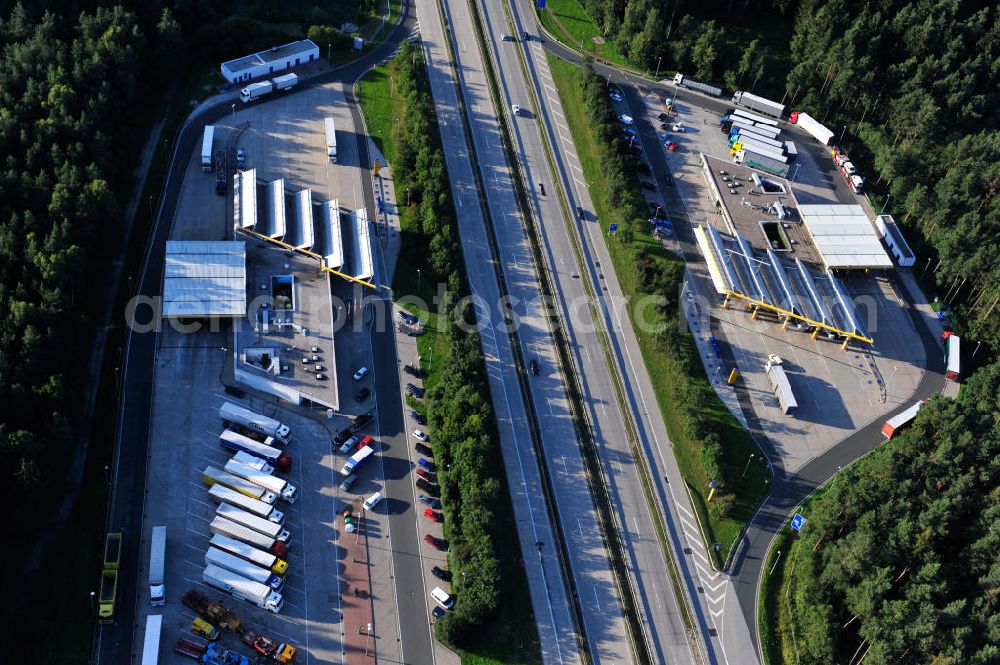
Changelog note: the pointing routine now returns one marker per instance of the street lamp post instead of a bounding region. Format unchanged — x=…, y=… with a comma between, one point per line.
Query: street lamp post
x=656, y=76
x=885, y=203
x=747, y=466
x=93, y=602
x=418, y=280
x=234, y=111
x=841, y=139
x=107, y=474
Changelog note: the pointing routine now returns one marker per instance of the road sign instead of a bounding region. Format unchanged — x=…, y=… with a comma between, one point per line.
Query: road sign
x=539, y=4
x=612, y=228
x=798, y=522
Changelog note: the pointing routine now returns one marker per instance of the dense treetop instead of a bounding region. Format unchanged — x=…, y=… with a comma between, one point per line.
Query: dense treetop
x=899, y=558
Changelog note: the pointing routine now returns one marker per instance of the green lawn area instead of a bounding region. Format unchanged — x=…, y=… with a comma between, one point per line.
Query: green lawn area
x=581, y=29
x=512, y=636
x=748, y=488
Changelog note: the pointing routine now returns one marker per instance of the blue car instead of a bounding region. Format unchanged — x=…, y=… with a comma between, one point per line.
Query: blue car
x=430, y=501
x=426, y=464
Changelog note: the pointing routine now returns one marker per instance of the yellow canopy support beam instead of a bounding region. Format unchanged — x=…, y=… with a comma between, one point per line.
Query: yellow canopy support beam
x=306, y=252
x=792, y=315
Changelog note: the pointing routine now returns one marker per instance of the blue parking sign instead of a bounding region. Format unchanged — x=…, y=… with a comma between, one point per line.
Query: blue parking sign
x=539, y=4
x=613, y=228
x=798, y=522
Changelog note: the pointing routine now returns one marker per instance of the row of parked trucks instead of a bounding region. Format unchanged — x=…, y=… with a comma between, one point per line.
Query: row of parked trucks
x=245, y=557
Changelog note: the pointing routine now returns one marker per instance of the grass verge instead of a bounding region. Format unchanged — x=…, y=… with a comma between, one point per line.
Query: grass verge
x=570, y=23
x=748, y=488
x=772, y=624
x=511, y=637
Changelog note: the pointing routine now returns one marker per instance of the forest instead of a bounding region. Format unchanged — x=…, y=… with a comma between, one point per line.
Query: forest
x=898, y=562
x=913, y=86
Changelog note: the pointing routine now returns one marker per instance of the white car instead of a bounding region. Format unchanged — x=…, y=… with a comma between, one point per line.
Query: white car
x=615, y=96
x=361, y=373
x=506, y=37
x=516, y=109
x=677, y=127
x=420, y=435
x=626, y=119
x=373, y=500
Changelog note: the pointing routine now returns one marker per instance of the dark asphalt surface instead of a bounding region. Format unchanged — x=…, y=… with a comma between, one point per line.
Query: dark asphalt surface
x=137, y=377
x=787, y=492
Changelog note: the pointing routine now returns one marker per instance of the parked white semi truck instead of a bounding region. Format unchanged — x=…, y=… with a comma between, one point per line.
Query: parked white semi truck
x=253, y=461
x=223, y=494
x=244, y=568
x=251, y=521
x=207, y=140
x=157, y=559
x=224, y=527
x=282, y=488
x=272, y=562
x=231, y=413
x=240, y=587
x=331, y=140
x=256, y=91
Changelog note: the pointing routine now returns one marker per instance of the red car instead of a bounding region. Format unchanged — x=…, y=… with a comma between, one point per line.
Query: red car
x=367, y=441
x=436, y=543
x=433, y=516
x=424, y=473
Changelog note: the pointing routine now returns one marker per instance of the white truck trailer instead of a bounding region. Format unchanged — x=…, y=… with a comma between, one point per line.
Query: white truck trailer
x=282, y=488
x=256, y=593
x=780, y=386
x=224, y=527
x=253, y=461
x=251, y=521
x=235, y=442
x=261, y=558
x=231, y=413
x=151, y=640
x=256, y=91
x=759, y=104
x=157, y=560
x=251, y=571
x=331, y=140
x=814, y=128
x=284, y=82
x=223, y=494
x=356, y=460
x=207, y=140
x=215, y=476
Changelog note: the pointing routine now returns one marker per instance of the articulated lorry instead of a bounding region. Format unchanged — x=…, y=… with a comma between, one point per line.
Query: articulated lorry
x=221, y=493
x=157, y=559
x=331, y=140
x=271, y=650
x=282, y=488
x=216, y=613
x=212, y=476
x=207, y=141
x=240, y=587
x=253, y=461
x=225, y=527
x=231, y=413
x=112, y=551
x=759, y=104
x=235, y=442
x=687, y=82
x=244, y=568
x=251, y=521
x=252, y=554
x=356, y=460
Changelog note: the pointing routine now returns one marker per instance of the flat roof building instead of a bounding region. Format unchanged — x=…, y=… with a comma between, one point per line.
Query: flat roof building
x=275, y=59
x=204, y=279
x=844, y=237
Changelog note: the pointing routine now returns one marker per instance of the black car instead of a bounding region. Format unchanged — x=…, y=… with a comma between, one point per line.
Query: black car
x=662, y=116
x=361, y=421
x=642, y=168
x=665, y=126
x=541, y=189
x=362, y=395
x=441, y=574
x=413, y=371
x=423, y=448
x=533, y=365
x=648, y=186
x=235, y=392
x=428, y=487
x=418, y=418
x=343, y=435
x=579, y=212
x=414, y=390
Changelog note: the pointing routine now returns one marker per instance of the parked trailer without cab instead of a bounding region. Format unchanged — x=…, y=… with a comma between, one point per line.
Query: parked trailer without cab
x=900, y=420
x=759, y=104
x=235, y=442
x=275, y=564
x=207, y=140
x=223, y=527
x=249, y=520
x=221, y=493
x=151, y=640
x=212, y=476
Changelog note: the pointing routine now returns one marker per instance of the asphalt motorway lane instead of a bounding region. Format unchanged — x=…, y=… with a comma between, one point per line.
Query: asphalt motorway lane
x=129, y=472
